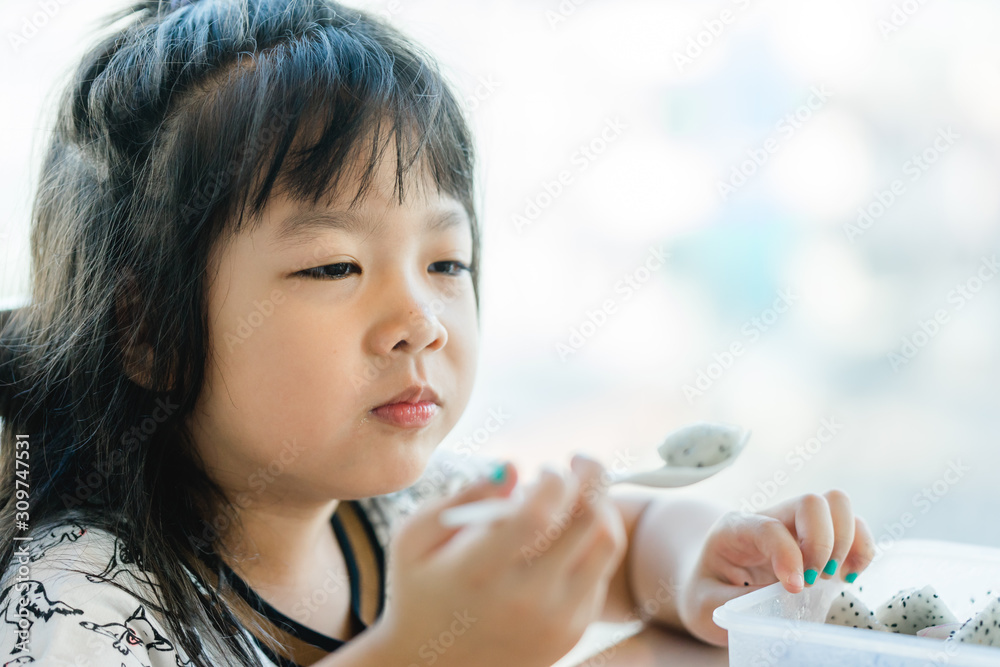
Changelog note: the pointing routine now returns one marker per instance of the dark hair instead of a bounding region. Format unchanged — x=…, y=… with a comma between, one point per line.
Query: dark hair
x=172, y=135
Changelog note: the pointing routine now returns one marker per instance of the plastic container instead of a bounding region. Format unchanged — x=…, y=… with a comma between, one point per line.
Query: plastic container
x=774, y=628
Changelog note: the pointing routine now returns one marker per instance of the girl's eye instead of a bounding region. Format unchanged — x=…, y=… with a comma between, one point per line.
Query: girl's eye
x=321, y=273
x=341, y=270
x=457, y=267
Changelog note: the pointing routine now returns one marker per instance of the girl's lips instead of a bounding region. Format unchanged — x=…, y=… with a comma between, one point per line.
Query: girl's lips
x=407, y=415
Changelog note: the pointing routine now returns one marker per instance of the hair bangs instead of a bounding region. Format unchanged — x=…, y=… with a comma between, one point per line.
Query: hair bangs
x=304, y=115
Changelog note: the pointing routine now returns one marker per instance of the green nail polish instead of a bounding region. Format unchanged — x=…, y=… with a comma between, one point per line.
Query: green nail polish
x=499, y=473
x=831, y=567
x=810, y=576
x=851, y=577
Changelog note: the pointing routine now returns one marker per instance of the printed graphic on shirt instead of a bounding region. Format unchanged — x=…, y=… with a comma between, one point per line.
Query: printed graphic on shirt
x=29, y=602
x=23, y=604
x=126, y=636
x=71, y=619
x=70, y=532
x=121, y=558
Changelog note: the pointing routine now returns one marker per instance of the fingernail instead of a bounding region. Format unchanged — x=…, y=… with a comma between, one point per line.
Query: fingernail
x=499, y=473
x=811, y=576
x=851, y=577
x=796, y=580
x=831, y=567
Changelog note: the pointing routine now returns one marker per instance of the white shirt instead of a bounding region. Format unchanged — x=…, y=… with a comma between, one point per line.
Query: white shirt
x=54, y=615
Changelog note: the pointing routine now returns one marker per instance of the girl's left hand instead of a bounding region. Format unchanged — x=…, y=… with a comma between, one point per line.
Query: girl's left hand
x=794, y=542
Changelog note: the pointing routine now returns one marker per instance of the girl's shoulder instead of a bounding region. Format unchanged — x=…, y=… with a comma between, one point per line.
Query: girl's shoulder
x=447, y=473
x=75, y=591
x=71, y=550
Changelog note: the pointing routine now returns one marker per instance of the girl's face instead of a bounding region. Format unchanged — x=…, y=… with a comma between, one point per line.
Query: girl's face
x=318, y=316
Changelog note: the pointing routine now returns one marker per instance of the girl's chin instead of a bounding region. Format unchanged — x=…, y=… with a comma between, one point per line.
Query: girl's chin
x=400, y=474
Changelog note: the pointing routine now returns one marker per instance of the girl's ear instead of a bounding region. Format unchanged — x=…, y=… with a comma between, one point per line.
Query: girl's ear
x=137, y=355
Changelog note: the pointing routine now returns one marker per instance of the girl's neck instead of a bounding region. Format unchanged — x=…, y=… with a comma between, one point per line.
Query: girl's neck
x=283, y=550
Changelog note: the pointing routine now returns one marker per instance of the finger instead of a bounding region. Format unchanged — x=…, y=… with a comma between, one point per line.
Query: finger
x=422, y=532
x=775, y=542
x=572, y=527
x=562, y=542
x=598, y=562
x=861, y=553
x=591, y=473
x=815, y=534
x=842, y=517
x=506, y=538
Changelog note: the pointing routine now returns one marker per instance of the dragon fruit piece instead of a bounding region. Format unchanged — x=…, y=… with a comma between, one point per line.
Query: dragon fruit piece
x=939, y=631
x=913, y=609
x=702, y=445
x=983, y=628
x=848, y=610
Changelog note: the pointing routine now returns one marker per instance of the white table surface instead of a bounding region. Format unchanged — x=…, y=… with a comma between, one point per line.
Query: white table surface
x=633, y=645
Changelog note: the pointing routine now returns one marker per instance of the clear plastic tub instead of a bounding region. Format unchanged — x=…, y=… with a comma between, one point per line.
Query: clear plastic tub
x=774, y=628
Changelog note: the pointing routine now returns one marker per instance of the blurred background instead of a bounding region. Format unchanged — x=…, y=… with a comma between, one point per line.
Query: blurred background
x=775, y=214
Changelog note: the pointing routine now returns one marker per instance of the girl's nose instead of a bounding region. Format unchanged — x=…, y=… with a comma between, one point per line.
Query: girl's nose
x=409, y=322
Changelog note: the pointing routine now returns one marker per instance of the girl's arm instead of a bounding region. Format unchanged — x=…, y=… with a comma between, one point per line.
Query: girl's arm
x=665, y=536
x=685, y=558
x=371, y=647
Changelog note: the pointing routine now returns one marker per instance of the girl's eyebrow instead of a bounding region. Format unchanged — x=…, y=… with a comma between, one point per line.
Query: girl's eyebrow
x=304, y=227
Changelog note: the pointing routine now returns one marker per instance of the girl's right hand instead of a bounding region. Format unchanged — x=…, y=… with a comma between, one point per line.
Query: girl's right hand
x=520, y=590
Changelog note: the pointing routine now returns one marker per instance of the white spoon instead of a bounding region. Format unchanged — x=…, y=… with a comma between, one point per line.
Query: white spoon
x=690, y=454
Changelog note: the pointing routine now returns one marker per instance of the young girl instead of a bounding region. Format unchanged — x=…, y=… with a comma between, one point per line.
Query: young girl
x=253, y=319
